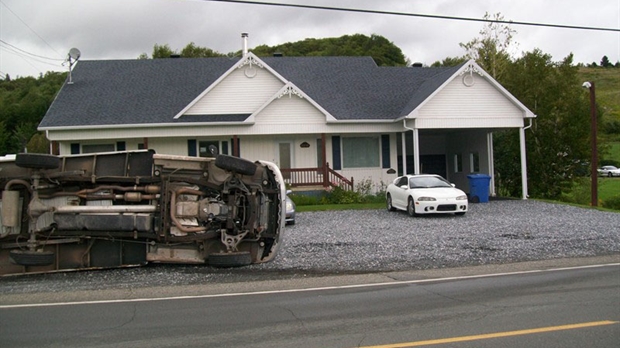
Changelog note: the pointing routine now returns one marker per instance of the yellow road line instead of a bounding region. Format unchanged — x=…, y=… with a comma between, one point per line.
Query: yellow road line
x=495, y=335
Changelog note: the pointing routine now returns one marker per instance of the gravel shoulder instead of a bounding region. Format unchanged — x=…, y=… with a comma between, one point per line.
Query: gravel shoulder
x=373, y=244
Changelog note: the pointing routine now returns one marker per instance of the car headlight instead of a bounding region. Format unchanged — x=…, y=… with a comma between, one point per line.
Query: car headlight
x=289, y=206
x=461, y=198
x=426, y=199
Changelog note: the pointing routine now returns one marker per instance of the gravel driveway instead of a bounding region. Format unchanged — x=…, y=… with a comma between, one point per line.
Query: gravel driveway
x=497, y=232
x=361, y=241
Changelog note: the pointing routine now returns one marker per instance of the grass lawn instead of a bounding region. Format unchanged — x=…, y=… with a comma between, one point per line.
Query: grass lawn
x=614, y=151
x=608, y=187
x=324, y=207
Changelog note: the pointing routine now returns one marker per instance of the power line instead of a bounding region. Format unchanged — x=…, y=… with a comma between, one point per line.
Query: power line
x=39, y=36
x=345, y=9
x=28, y=53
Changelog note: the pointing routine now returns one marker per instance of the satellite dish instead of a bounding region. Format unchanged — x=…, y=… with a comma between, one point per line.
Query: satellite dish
x=74, y=53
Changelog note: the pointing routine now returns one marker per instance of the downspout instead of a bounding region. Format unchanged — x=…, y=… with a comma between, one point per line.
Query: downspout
x=524, y=193
x=416, y=150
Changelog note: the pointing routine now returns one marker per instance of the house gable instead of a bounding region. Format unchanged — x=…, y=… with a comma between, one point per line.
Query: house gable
x=288, y=108
x=241, y=90
x=470, y=98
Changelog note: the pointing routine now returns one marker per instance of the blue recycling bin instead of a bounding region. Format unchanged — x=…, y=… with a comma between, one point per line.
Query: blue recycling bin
x=479, y=188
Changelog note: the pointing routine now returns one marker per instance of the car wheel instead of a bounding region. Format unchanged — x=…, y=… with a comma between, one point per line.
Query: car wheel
x=610, y=174
x=411, y=207
x=234, y=259
x=388, y=200
x=37, y=161
x=235, y=164
x=32, y=258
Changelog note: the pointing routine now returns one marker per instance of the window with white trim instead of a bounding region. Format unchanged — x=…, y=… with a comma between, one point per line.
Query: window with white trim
x=360, y=152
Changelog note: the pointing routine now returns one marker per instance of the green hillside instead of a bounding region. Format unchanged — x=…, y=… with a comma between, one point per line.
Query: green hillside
x=607, y=84
x=607, y=90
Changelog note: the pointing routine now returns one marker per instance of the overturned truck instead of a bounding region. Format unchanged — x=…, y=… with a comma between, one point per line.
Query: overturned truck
x=130, y=208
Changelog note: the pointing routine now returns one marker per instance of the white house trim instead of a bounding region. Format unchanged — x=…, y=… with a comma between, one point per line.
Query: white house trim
x=291, y=90
x=470, y=68
x=250, y=60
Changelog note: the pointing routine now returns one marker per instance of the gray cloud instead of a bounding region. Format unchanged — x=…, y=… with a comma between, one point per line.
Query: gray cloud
x=118, y=29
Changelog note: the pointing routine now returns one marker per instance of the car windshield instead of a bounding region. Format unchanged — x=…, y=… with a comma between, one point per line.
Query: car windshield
x=428, y=182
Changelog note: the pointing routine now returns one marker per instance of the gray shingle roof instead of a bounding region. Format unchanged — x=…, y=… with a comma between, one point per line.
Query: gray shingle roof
x=116, y=92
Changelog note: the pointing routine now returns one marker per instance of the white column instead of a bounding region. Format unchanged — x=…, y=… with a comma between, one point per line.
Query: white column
x=416, y=152
x=523, y=163
x=404, y=151
x=491, y=161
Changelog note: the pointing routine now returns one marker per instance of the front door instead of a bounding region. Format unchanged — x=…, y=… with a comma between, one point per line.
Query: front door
x=285, y=152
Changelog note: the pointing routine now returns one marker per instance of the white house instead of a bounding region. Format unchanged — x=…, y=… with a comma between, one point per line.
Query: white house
x=365, y=121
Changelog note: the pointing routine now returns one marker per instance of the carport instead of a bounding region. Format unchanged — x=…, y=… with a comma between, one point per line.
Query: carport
x=450, y=133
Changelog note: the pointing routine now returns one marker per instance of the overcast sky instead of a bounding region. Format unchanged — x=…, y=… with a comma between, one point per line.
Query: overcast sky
x=123, y=29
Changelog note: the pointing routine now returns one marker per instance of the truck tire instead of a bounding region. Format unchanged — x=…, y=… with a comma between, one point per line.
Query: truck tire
x=235, y=164
x=32, y=258
x=37, y=161
x=234, y=259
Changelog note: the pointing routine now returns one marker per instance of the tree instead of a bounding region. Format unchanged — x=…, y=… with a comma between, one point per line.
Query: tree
x=450, y=61
x=162, y=51
x=384, y=52
x=558, y=141
x=193, y=51
x=605, y=63
x=189, y=51
x=23, y=103
x=491, y=50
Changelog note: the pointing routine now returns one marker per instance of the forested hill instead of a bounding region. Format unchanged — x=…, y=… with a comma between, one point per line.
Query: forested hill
x=384, y=52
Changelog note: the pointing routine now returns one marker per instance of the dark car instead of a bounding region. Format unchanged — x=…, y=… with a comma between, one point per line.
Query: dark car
x=290, y=209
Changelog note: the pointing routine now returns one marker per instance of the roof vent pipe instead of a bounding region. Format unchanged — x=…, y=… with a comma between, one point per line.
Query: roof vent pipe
x=244, y=41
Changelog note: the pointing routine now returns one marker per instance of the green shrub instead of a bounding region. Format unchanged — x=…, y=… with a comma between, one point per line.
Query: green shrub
x=579, y=194
x=612, y=203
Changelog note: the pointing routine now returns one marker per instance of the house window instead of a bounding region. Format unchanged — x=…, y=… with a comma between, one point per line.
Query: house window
x=93, y=148
x=360, y=152
x=458, y=163
x=474, y=162
x=204, y=151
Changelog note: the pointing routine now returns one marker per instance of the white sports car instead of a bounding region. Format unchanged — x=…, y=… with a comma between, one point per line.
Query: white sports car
x=425, y=194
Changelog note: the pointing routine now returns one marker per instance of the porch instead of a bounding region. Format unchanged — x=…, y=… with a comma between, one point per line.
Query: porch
x=324, y=177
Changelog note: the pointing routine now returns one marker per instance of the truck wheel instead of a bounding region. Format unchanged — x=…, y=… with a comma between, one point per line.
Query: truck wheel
x=234, y=259
x=37, y=161
x=32, y=258
x=235, y=164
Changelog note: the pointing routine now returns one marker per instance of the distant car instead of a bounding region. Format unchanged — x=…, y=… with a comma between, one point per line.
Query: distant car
x=608, y=171
x=290, y=209
x=425, y=194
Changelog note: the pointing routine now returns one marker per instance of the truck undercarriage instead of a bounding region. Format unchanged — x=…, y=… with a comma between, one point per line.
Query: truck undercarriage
x=129, y=208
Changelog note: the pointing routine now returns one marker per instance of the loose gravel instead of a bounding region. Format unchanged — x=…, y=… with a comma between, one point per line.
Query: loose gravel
x=361, y=241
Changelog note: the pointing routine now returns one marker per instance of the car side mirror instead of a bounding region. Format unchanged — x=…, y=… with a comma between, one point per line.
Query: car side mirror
x=453, y=185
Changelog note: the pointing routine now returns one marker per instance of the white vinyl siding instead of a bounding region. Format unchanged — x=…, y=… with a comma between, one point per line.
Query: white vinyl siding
x=290, y=110
x=478, y=106
x=237, y=94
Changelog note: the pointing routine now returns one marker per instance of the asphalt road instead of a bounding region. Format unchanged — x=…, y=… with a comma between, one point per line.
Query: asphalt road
x=526, y=304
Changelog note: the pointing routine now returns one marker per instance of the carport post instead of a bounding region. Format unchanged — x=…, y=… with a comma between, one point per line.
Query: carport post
x=523, y=163
x=416, y=152
x=404, y=151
